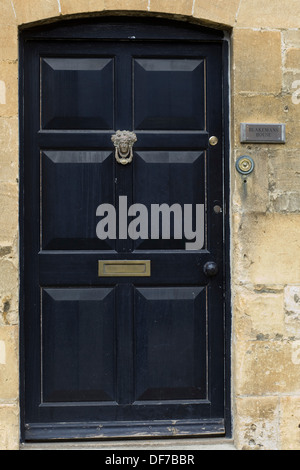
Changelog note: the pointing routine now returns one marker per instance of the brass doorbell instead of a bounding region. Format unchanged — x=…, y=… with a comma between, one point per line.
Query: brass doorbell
x=245, y=165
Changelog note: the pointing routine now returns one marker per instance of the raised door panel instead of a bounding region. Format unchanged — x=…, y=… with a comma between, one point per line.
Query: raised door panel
x=74, y=183
x=175, y=183
x=169, y=94
x=170, y=343
x=79, y=345
x=77, y=93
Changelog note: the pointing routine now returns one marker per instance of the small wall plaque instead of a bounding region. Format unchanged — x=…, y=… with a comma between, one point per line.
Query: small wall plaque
x=263, y=133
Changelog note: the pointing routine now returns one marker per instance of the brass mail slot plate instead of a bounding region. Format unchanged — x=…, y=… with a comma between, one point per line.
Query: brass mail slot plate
x=125, y=268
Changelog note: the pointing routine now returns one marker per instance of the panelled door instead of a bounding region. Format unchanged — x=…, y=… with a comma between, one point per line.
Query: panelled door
x=122, y=336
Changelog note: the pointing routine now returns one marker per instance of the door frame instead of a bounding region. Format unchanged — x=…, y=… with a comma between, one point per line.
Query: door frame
x=172, y=29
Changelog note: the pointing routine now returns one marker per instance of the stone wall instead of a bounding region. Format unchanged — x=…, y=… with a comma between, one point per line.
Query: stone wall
x=265, y=206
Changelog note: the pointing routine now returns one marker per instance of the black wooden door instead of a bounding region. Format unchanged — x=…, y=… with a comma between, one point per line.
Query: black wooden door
x=121, y=355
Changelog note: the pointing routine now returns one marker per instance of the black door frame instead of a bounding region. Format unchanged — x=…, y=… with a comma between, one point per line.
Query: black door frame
x=169, y=30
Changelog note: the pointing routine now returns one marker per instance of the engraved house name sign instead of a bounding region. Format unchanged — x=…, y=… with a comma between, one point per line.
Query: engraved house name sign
x=267, y=133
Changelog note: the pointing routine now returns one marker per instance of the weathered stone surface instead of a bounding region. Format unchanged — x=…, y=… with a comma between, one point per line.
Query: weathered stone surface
x=134, y=5
x=8, y=89
x=9, y=157
x=290, y=423
x=292, y=310
x=259, y=313
x=35, y=10
x=8, y=40
x=9, y=213
x=69, y=7
x=291, y=83
x=284, y=181
x=256, y=425
x=267, y=367
x=291, y=37
x=7, y=12
x=219, y=11
x=257, y=61
x=270, y=14
x=9, y=281
x=9, y=314
x=292, y=133
x=180, y=7
x=266, y=249
x=9, y=427
x=8, y=292
x=9, y=363
x=293, y=59
x=288, y=202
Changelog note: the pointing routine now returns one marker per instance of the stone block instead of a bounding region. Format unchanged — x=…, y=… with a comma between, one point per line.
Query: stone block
x=7, y=12
x=267, y=367
x=9, y=427
x=9, y=360
x=293, y=59
x=285, y=170
x=30, y=11
x=9, y=314
x=257, y=61
x=291, y=83
x=292, y=310
x=270, y=14
x=9, y=41
x=180, y=7
x=257, y=423
x=293, y=129
x=9, y=284
x=284, y=180
x=266, y=249
x=134, y=5
x=290, y=423
x=288, y=202
x=259, y=313
x=8, y=89
x=291, y=37
x=69, y=7
x=9, y=156
x=219, y=11
x=9, y=287
x=9, y=213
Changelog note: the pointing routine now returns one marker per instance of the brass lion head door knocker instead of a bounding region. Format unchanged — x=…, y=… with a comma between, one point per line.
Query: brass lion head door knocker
x=123, y=142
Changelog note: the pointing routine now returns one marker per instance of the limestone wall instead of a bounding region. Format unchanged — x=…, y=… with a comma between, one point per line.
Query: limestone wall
x=265, y=206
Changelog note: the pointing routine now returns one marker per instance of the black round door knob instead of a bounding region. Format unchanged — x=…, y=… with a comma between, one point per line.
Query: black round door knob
x=211, y=269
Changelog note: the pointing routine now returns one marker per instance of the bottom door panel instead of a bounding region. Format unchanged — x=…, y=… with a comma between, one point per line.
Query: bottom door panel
x=170, y=343
x=79, y=345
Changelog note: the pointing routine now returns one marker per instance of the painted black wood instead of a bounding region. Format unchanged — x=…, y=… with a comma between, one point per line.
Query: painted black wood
x=111, y=28
x=121, y=352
